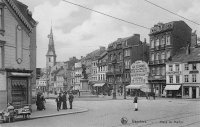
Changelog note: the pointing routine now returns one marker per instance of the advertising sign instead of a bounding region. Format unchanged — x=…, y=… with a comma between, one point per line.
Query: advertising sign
x=139, y=72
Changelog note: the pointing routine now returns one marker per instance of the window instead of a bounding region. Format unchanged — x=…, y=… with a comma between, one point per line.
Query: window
x=177, y=67
x=171, y=79
x=1, y=54
x=120, y=56
x=170, y=67
x=186, y=78
x=2, y=18
x=186, y=91
x=163, y=71
x=177, y=79
x=152, y=57
x=49, y=59
x=194, y=66
x=127, y=64
x=162, y=41
x=163, y=56
x=157, y=71
x=167, y=40
x=127, y=52
x=152, y=43
x=157, y=56
x=168, y=54
x=157, y=42
x=194, y=78
x=111, y=58
x=186, y=67
x=125, y=43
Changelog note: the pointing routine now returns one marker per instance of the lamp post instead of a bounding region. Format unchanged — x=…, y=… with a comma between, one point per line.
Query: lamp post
x=114, y=62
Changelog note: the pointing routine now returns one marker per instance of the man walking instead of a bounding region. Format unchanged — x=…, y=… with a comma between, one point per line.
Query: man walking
x=64, y=99
x=58, y=101
x=71, y=98
x=135, y=101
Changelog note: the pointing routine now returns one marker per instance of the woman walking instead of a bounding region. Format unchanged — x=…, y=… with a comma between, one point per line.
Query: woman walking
x=135, y=101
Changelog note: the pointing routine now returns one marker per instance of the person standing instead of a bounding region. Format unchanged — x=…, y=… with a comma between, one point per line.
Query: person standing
x=135, y=101
x=71, y=98
x=58, y=101
x=64, y=99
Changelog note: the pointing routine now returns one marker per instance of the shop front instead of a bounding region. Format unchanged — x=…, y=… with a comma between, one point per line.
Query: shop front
x=191, y=91
x=173, y=91
x=19, y=87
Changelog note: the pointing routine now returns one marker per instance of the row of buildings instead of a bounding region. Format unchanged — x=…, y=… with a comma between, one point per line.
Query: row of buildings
x=172, y=46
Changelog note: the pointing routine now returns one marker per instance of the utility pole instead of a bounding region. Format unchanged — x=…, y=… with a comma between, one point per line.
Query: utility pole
x=123, y=77
x=114, y=62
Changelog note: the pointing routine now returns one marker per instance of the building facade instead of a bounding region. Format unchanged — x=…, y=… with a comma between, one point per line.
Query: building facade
x=185, y=66
x=101, y=85
x=17, y=54
x=165, y=40
x=121, y=54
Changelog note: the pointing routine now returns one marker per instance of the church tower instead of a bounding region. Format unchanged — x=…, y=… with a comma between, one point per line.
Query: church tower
x=51, y=54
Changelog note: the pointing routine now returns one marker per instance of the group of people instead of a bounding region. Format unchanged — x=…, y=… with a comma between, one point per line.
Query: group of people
x=61, y=100
x=40, y=102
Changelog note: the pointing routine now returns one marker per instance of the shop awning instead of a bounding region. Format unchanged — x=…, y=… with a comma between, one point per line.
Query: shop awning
x=172, y=87
x=98, y=84
x=133, y=87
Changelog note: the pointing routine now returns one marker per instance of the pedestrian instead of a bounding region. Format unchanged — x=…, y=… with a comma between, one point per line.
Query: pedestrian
x=71, y=98
x=154, y=96
x=58, y=101
x=64, y=99
x=135, y=101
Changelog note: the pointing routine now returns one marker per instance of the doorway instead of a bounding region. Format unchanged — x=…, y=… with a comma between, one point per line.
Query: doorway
x=193, y=92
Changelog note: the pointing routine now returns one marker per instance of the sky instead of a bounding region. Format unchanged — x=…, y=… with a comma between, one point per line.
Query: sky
x=78, y=31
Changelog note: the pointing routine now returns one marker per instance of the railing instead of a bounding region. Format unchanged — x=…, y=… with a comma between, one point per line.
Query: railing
x=157, y=61
x=162, y=61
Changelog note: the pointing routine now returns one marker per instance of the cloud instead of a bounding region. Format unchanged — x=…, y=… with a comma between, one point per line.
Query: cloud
x=78, y=31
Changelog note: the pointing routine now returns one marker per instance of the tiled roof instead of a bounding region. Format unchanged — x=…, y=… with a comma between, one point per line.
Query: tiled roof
x=181, y=56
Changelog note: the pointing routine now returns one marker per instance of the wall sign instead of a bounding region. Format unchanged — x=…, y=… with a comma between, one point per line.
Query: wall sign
x=139, y=72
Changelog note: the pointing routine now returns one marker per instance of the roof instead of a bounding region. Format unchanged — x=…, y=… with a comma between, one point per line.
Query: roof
x=181, y=56
x=61, y=72
x=24, y=10
x=120, y=40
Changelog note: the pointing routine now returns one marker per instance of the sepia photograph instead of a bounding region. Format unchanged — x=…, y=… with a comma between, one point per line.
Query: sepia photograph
x=99, y=63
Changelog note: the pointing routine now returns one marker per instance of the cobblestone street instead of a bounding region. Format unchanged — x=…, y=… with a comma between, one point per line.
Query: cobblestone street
x=152, y=113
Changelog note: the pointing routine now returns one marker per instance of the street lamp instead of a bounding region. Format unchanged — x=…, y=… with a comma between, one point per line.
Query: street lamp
x=114, y=62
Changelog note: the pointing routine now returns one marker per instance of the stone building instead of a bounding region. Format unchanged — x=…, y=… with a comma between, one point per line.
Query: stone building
x=17, y=54
x=101, y=85
x=121, y=54
x=182, y=74
x=165, y=40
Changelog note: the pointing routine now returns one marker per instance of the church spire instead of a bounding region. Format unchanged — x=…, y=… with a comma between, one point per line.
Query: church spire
x=51, y=48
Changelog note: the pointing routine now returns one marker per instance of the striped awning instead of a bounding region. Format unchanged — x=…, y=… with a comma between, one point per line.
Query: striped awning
x=99, y=84
x=172, y=87
x=133, y=87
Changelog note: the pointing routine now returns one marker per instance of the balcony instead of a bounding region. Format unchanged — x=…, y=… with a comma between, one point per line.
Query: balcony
x=156, y=62
x=162, y=61
x=162, y=46
x=157, y=47
x=151, y=62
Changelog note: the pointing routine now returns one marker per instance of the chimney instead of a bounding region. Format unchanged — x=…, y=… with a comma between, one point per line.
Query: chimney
x=188, y=48
x=193, y=39
x=137, y=36
x=145, y=40
x=102, y=48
